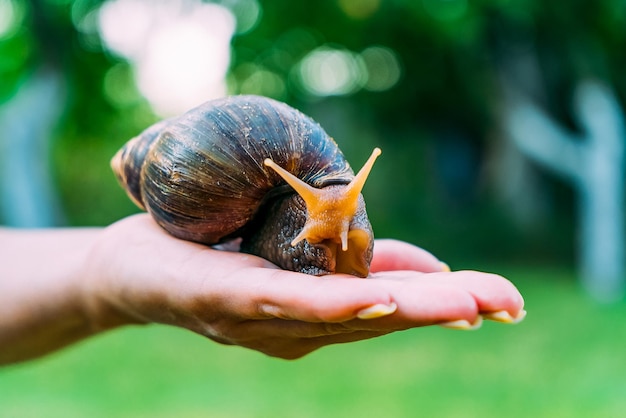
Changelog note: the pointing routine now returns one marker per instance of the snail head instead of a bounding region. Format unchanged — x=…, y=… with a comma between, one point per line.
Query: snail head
x=330, y=213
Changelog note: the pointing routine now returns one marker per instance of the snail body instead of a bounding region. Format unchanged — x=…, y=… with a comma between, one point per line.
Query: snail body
x=254, y=168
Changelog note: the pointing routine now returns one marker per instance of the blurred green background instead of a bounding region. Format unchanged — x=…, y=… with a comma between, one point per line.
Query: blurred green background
x=502, y=131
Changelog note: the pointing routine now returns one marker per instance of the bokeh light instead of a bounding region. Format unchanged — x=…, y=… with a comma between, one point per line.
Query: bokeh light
x=180, y=50
x=359, y=9
x=10, y=17
x=247, y=14
x=333, y=71
x=256, y=79
x=119, y=86
x=383, y=68
x=125, y=25
x=328, y=71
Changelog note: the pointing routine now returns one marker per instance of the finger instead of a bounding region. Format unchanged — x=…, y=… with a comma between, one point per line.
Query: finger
x=252, y=330
x=436, y=303
x=258, y=293
x=391, y=254
x=421, y=301
x=437, y=298
x=288, y=339
x=492, y=293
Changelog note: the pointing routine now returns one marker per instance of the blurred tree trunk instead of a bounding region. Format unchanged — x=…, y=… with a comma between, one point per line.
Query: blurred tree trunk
x=595, y=165
x=518, y=185
x=28, y=196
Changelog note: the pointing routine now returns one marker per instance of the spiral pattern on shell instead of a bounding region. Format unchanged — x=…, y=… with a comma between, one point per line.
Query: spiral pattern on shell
x=201, y=175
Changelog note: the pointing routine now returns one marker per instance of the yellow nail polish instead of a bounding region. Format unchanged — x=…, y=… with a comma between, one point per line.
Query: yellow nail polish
x=520, y=317
x=377, y=311
x=499, y=316
x=505, y=317
x=445, y=267
x=463, y=324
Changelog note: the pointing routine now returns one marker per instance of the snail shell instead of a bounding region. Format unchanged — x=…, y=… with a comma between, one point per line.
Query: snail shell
x=231, y=168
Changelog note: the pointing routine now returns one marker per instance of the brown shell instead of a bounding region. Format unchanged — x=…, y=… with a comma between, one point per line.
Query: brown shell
x=201, y=175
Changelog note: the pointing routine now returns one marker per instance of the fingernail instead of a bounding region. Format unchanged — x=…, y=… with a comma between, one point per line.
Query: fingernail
x=463, y=324
x=376, y=311
x=520, y=317
x=499, y=316
x=505, y=317
x=445, y=267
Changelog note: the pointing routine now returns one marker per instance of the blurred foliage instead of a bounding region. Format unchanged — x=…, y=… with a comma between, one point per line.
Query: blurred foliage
x=440, y=118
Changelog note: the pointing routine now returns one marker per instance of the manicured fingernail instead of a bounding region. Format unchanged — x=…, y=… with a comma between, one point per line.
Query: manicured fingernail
x=376, y=311
x=520, y=317
x=463, y=324
x=505, y=317
x=445, y=267
x=499, y=316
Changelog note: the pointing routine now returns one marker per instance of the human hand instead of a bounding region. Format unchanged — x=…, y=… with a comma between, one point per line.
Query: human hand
x=137, y=273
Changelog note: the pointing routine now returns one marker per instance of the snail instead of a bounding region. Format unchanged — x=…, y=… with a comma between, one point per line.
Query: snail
x=253, y=168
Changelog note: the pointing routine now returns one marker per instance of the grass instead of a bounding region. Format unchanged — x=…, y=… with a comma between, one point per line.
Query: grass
x=565, y=360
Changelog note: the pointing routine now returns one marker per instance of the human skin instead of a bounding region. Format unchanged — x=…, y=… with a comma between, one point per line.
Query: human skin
x=59, y=286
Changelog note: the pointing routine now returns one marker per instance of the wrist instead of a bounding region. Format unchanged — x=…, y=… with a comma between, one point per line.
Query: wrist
x=97, y=277
x=42, y=302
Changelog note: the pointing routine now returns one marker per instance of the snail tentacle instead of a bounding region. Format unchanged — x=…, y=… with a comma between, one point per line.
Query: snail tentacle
x=329, y=210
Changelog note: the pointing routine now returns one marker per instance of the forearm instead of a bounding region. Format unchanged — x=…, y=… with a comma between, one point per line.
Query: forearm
x=41, y=305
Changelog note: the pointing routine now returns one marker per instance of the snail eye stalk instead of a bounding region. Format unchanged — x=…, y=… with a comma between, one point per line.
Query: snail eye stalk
x=329, y=210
